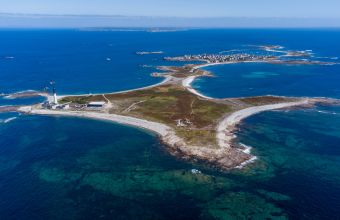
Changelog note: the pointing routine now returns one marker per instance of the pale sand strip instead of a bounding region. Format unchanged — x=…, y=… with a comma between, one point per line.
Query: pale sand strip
x=225, y=129
x=167, y=78
x=186, y=83
x=167, y=133
x=160, y=129
x=224, y=63
x=211, y=64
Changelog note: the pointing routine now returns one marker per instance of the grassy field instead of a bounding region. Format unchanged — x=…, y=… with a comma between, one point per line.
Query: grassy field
x=265, y=100
x=193, y=118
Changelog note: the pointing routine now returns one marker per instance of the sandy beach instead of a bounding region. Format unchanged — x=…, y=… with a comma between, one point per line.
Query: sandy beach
x=158, y=128
x=166, y=133
x=167, y=78
x=222, y=156
x=209, y=64
x=226, y=128
x=189, y=80
x=186, y=83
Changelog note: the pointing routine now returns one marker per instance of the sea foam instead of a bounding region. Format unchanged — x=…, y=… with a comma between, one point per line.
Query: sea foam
x=5, y=121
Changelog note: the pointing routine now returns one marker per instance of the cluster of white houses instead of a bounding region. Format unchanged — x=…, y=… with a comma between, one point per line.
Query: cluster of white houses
x=217, y=58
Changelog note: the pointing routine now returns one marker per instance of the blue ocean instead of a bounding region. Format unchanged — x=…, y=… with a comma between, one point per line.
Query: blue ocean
x=71, y=168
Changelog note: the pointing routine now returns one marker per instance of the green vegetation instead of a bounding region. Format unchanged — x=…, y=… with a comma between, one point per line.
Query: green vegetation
x=265, y=100
x=193, y=118
x=167, y=104
x=81, y=99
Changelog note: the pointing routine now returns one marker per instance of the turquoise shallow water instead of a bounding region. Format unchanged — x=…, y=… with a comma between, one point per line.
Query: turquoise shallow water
x=65, y=168
x=253, y=79
x=69, y=168
x=299, y=155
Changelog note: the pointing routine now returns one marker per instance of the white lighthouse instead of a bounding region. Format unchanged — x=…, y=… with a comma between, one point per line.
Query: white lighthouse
x=55, y=98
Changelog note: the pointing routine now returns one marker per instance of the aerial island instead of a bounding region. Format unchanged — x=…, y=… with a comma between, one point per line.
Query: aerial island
x=192, y=126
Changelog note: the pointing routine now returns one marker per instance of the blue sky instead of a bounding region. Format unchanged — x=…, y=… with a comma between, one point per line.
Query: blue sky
x=169, y=13
x=179, y=8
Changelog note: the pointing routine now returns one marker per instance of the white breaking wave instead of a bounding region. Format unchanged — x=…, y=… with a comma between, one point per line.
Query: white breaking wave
x=332, y=58
x=5, y=121
x=326, y=112
x=247, y=149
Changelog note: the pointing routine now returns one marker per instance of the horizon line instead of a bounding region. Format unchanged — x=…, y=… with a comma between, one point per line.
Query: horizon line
x=156, y=16
x=24, y=20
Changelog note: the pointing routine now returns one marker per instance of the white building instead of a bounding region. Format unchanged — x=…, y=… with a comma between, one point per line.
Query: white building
x=96, y=104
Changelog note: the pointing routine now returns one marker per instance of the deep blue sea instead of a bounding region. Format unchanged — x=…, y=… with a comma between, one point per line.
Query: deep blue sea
x=69, y=168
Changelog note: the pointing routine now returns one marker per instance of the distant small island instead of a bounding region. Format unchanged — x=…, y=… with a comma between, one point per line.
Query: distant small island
x=194, y=127
x=148, y=52
x=218, y=59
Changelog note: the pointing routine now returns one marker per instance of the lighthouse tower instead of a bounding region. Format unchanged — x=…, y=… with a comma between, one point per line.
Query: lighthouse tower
x=55, y=98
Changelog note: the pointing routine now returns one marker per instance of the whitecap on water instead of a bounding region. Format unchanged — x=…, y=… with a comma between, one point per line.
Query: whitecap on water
x=7, y=120
x=247, y=149
x=326, y=112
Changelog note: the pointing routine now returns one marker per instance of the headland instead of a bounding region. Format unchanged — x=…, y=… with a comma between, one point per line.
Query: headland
x=193, y=126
